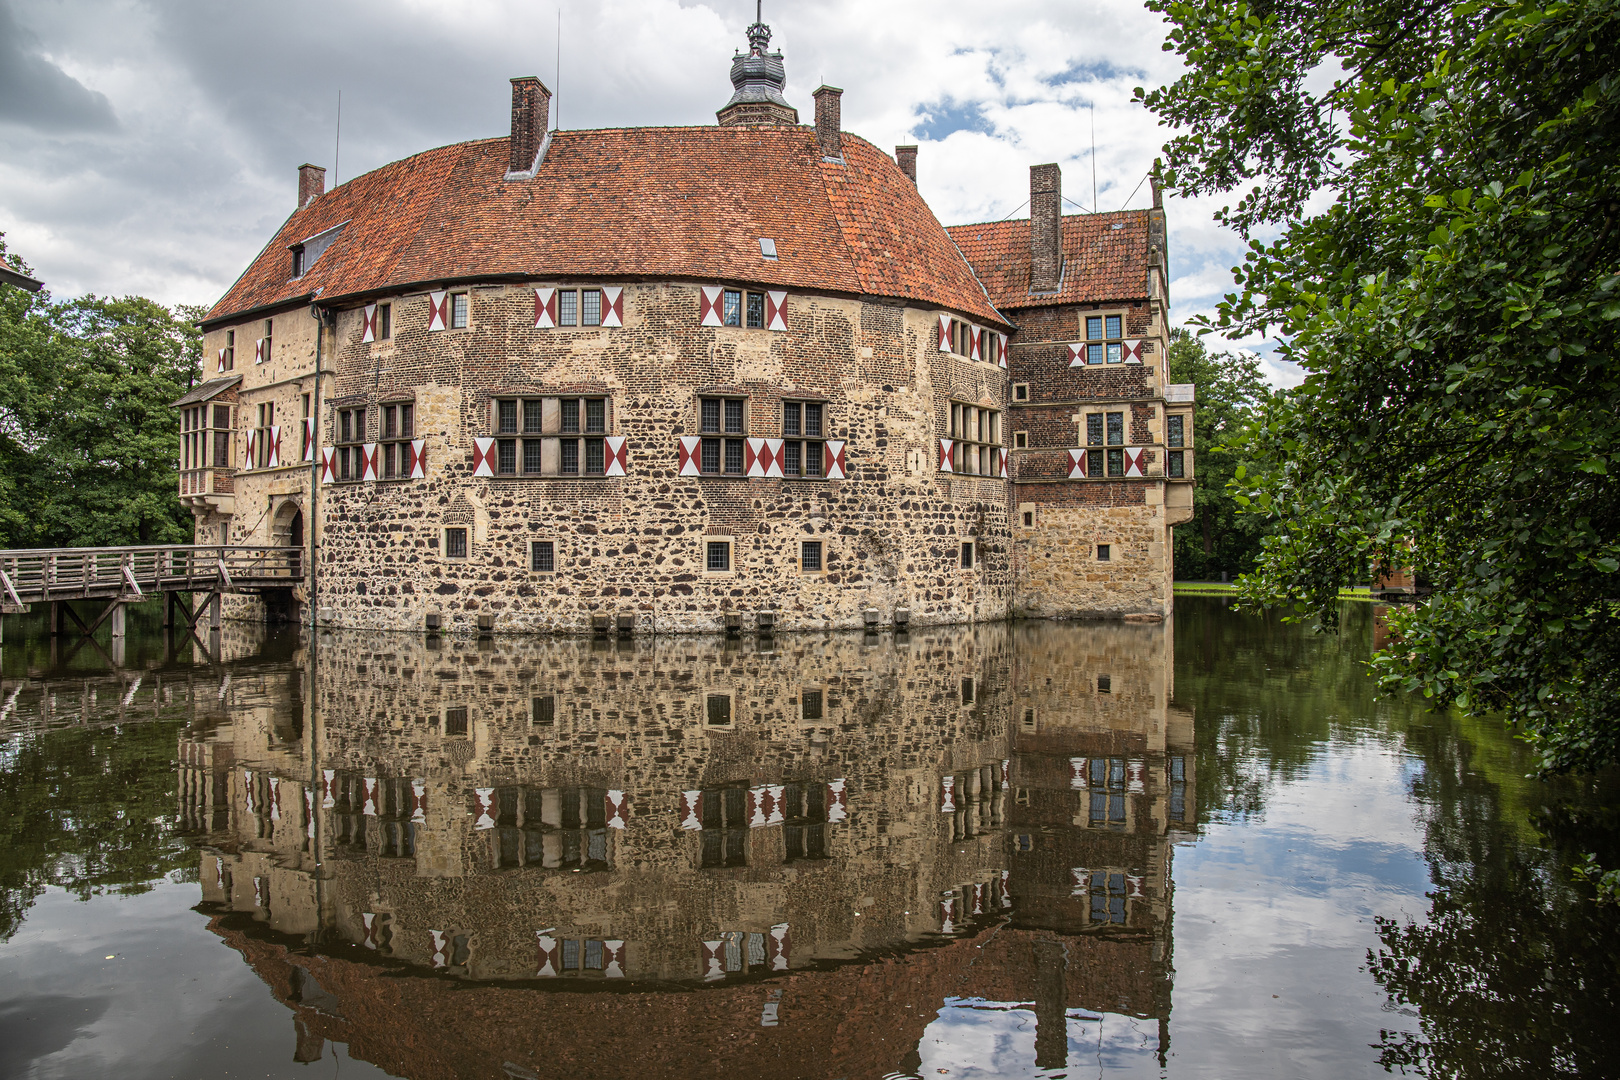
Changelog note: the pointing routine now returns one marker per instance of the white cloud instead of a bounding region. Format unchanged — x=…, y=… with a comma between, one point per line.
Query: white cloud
x=216, y=106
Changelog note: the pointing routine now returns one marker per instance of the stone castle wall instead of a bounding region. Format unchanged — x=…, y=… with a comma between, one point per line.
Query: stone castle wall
x=891, y=530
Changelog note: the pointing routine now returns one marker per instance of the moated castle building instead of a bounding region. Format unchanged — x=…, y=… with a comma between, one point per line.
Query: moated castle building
x=680, y=379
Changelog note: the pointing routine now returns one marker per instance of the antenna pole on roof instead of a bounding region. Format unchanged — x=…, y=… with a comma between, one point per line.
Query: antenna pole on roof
x=1094, y=157
x=557, y=95
x=337, y=140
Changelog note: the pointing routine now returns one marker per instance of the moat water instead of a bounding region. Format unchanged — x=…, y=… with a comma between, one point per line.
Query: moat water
x=1197, y=849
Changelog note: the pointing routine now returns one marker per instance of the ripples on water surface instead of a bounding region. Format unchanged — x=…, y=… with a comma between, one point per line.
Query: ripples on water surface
x=1199, y=849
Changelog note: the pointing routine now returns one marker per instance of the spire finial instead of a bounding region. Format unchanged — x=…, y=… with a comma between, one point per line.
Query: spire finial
x=759, y=35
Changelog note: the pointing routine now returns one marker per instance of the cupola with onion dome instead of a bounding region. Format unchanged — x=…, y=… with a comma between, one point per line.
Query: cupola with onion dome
x=758, y=77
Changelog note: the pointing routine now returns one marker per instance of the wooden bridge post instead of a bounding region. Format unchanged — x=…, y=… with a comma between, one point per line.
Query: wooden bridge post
x=118, y=614
x=58, y=618
x=214, y=605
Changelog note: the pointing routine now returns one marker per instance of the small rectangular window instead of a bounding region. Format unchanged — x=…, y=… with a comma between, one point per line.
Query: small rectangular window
x=792, y=418
x=1094, y=429
x=1116, y=429
x=1020, y=440
x=1105, y=684
x=1029, y=519
x=543, y=556
x=734, y=457
x=1020, y=391
x=1116, y=463
x=1094, y=353
x=718, y=556
x=544, y=710
x=967, y=691
x=455, y=721
x=568, y=308
x=717, y=709
x=590, y=304
x=385, y=321
x=967, y=555
x=534, y=456
x=1094, y=462
x=594, y=457
x=792, y=458
x=732, y=308
x=810, y=556
x=1113, y=325
x=756, y=310
x=1175, y=430
x=506, y=459
x=230, y=350
x=1094, y=328
x=506, y=417
x=458, y=311
x=569, y=457
x=531, y=417
x=390, y=425
x=455, y=543
x=812, y=419
x=570, y=416
x=710, y=415
x=1115, y=355
x=1175, y=464
x=734, y=416
x=595, y=416
x=1104, y=552
x=810, y=704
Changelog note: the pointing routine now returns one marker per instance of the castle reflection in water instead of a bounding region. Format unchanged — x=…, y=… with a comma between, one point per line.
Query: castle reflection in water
x=788, y=857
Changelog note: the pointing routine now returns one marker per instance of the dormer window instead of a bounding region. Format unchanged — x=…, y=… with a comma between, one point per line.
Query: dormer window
x=306, y=252
x=767, y=248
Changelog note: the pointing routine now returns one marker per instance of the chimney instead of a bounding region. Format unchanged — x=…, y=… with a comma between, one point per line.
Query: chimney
x=311, y=184
x=829, y=125
x=1045, y=228
x=907, y=158
x=531, y=119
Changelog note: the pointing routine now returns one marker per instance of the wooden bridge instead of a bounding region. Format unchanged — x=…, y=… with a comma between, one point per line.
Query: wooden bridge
x=117, y=576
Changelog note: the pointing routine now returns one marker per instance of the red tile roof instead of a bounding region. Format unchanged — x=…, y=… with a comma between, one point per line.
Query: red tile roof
x=683, y=203
x=1105, y=258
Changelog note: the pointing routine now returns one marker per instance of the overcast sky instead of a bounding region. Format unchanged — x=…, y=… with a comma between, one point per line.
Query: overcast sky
x=152, y=147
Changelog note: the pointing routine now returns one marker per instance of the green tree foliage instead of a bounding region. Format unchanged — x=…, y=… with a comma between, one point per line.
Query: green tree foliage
x=88, y=440
x=1434, y=220
x=1220, y=538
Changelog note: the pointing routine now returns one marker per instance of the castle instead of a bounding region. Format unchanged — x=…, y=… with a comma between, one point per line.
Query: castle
x=692, y=379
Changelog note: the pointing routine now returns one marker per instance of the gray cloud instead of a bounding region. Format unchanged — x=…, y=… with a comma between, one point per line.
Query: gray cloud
x=36, y=93
x=217, y=105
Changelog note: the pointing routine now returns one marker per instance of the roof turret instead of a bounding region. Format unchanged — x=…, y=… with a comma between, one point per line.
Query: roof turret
x=757, y=78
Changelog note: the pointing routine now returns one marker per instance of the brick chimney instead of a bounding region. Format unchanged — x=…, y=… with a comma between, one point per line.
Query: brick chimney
x=829, y=122
x=531, y=119
x=1045, y=228
x=906, y=156
x=311, y=184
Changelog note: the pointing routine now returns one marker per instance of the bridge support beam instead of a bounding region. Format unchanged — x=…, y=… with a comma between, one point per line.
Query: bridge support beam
x=119, y=612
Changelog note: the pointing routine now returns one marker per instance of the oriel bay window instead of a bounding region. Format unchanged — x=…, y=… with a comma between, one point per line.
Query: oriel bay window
x=802, y=429
x=551, y=436
x=1175, y=437
x=975, y=435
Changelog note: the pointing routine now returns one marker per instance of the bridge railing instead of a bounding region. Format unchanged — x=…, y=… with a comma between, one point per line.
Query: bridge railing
x=63, y=573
